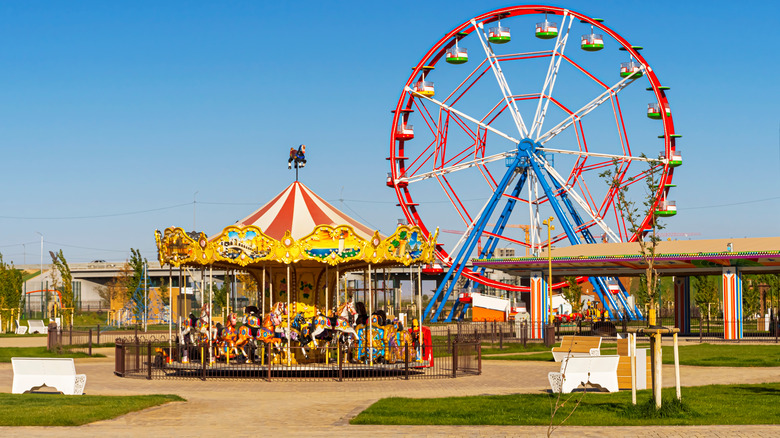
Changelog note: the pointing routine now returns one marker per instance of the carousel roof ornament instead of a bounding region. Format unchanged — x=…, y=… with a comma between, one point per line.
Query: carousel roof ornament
x=296, y=226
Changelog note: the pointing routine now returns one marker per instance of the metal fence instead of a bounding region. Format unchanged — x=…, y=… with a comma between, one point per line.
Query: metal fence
x=156, y=358
x=66, y=338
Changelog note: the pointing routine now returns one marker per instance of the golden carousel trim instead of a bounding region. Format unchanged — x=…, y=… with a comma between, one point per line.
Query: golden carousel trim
x=245, y=246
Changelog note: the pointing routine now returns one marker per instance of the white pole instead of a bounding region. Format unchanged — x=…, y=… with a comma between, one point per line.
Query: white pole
x=262, y=312
x=327, y=302
x=338, y=279
x=146, y=296
x=170, y=306
x=676, y=368
x=632, y=353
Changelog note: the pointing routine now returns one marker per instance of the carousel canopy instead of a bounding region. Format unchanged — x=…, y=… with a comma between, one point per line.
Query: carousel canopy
x=296, y=226
x=298, y=210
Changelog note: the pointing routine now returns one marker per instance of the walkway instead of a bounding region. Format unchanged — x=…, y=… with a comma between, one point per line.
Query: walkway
x=324, y=408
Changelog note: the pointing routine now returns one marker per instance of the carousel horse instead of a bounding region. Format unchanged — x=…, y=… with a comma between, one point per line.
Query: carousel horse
x=228, y=336
x=253, y=331
x=371, y=343
x=300, y=331
x=188, y=329
x=342, y=324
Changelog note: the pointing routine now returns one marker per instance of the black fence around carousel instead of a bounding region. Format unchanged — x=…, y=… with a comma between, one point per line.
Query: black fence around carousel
x=156, y=358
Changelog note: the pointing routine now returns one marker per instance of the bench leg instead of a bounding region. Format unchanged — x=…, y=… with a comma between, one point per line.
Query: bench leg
x=556, y=381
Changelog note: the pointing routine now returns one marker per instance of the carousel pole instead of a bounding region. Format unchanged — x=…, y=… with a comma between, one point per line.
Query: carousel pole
x=419, y=301
x=370, y=340
x=338, y=279
x=226, y=310
x=326, y=290
x=288, y=313
x=262, y=293
x=211, y=309
x=170, y=307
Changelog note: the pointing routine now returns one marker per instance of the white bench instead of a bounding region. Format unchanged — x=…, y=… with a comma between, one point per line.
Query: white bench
x=60, y=373
x=600, y=371
x=37, y=326
x=20, y=329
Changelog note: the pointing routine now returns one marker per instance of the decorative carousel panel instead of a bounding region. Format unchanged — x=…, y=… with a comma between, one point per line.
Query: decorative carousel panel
x=288, y=250
x=332, y=245
x=407, y=245
x=242, y=245
x=372, y=254
x=176, y=247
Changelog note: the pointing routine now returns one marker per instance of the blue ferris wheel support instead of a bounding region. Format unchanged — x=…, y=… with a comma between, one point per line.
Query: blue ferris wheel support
x=528, y=153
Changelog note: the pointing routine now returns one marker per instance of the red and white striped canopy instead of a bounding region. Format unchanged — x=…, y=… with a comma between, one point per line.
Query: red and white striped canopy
x=299, y=210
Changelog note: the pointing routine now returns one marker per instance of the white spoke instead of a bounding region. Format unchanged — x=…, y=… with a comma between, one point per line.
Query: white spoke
x=590, y=106
x=552, y=75
x=502, y=83
x=574, y=195
x=464, y=115
x=455, y=168
x=600, y=155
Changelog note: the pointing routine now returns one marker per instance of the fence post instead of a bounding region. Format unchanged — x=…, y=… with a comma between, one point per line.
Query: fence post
x=479, y=357
x=50, y=340
x=341, y=358
x=203, y=352
x=137, y=355
x=90, y=342
x=700, y=335
x=406, y=360
x=493, y=334
x=455, y=359
x=148, y=358
x=500, y=337
x=448, y=337
x=524, y=335
x=98, y=334
x=268, y=361
x=70, y=335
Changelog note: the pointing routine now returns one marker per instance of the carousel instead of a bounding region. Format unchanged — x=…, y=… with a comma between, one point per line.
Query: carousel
x=298, y=249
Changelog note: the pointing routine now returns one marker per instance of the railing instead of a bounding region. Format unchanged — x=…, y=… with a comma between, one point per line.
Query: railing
x=67, y=338
x=153, y=358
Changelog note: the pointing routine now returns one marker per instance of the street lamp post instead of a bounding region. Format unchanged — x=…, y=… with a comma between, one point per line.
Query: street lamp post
x=41, y=274
x=550, y=227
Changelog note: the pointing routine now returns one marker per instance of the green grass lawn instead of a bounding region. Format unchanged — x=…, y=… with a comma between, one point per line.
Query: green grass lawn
x=70, y=410
x=714, y=404
x=6, y=353
x=713, y=355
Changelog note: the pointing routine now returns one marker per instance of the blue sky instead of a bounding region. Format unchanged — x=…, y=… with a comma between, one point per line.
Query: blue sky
x=114, y=114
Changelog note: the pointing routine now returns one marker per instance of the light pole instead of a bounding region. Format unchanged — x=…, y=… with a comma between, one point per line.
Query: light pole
x=550, y=227
x=42, y=292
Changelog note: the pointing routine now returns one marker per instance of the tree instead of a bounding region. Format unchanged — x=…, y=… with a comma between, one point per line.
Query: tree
x=63, y=282
x=136, y=264
x=573, y=293
x=219, y=295
x=751, y=295
x=10, y=286
x=707, y=294
x=634, y=214
x=164, y=295
x=249, y=287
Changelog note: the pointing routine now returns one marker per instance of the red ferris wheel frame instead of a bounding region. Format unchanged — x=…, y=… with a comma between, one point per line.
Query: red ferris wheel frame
x=436, y=53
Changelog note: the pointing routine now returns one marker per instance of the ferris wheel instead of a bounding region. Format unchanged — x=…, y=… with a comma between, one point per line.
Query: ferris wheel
x=512, y=117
